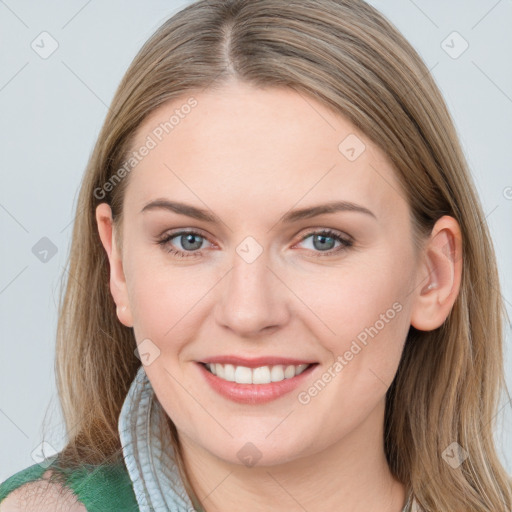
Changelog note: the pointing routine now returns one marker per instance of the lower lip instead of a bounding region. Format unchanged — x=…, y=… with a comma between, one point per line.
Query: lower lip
x=254, y=393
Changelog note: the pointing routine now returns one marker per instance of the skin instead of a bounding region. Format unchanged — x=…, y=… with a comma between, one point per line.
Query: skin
x=42, y=496
x=249, y=156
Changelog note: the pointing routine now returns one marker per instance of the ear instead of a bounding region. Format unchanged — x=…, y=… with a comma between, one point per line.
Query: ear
x=118, y=286
x=440, y=274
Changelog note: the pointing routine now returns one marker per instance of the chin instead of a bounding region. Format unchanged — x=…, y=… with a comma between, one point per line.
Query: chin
x=256, y=453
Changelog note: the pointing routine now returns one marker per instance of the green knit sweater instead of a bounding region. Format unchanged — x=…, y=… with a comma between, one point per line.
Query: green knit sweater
x=99, y=488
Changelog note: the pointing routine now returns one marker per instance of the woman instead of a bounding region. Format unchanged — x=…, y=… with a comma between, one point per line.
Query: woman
x=332, y=338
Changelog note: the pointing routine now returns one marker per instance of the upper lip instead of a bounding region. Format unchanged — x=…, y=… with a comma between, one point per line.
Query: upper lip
x=256, y=361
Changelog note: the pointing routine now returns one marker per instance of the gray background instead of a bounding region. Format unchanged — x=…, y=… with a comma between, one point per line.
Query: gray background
x=51, y=113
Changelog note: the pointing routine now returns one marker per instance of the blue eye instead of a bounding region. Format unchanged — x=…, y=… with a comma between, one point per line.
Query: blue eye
x=188, y=240
x=192, y=241
x=325, y=239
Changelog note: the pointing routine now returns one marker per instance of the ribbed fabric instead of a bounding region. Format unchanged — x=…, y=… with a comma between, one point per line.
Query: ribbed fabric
x=103, y=488
x=148, y=453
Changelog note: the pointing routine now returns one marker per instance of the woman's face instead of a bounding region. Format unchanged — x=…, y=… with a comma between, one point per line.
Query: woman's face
x=257, y=284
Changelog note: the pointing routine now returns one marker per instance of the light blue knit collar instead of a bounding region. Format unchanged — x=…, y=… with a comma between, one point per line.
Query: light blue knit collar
x=147, y=451
x=149, y=455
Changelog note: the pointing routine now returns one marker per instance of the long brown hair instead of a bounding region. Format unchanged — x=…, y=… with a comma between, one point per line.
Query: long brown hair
x=349, y=57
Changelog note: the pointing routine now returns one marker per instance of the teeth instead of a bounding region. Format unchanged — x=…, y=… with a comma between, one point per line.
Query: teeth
x=219, y=370
x=229, y=372
x=243, y=375
x=260, y=375
x=289, y=372
x=277, y=373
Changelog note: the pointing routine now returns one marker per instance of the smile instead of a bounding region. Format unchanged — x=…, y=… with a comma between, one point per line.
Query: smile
x=259, y=375
x=256, y=384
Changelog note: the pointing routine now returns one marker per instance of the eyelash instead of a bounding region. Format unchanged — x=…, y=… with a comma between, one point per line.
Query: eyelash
x=345, y=243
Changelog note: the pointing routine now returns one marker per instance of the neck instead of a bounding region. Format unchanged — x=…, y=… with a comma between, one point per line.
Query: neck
x=351, y=475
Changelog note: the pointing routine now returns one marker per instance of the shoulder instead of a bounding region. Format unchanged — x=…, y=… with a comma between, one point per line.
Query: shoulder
x=40, y=495
x=87, y=487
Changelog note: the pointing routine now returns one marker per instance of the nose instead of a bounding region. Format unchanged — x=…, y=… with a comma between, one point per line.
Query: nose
x=253, y=299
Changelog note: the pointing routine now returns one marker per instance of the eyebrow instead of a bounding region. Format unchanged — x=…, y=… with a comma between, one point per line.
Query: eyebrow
x=287, y=218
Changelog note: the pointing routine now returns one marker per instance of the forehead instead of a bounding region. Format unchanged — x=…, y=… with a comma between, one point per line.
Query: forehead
x=259, y=145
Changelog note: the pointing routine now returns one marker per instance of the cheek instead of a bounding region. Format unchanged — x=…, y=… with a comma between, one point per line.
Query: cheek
x=165, y=298
x=349, y=299
x=362, y=313
x=367, y=312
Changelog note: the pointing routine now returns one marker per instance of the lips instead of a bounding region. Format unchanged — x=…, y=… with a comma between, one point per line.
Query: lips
x=254, y=381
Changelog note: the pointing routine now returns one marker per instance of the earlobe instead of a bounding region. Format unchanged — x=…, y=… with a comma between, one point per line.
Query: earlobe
x=440, y=276
x=118, y=287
